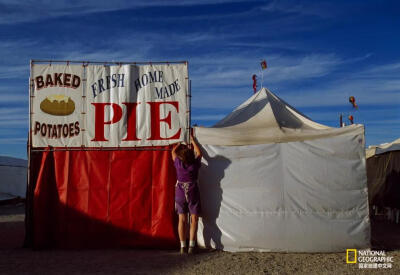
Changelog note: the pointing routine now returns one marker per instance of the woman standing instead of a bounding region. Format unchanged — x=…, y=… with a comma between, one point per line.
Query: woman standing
x=187, y=198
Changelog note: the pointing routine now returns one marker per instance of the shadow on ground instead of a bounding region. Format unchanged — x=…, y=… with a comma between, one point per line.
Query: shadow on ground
x=17, y=260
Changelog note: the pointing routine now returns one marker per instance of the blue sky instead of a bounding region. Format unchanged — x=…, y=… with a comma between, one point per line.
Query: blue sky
x=319, y=53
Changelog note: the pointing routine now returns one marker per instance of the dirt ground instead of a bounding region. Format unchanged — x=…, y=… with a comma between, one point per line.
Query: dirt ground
x=17, y=260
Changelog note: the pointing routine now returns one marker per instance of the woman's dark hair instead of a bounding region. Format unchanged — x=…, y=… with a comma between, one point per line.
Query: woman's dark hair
x=186, y=155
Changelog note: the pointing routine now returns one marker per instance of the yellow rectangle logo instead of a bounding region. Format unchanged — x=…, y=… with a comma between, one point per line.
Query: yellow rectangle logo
x=351, y=256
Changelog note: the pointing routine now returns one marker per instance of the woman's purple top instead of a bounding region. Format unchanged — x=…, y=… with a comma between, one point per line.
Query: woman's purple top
x=187, y=173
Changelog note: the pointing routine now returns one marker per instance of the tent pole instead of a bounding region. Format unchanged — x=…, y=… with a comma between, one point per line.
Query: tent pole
x=262, y=78
x=190, y=110
x=28, y=240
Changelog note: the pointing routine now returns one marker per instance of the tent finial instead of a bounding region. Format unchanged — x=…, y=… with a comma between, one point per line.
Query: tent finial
x=263, y=67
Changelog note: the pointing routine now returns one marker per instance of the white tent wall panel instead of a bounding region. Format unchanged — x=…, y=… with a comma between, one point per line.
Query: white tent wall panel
x=305, y=196
x=315, y=170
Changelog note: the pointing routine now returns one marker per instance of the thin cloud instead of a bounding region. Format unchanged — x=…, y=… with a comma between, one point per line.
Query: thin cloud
x=14, y=123
x=318, y=9
x=13, y=140
x=219, y=99
x=210, y=117
x=16, y=71
x=366, y=85
x=385, y=70
x=18, y=11
x=5, y=112
x=237, y=71
x=6, y=98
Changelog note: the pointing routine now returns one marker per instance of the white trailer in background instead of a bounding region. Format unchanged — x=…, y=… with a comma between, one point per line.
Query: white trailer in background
x=13, y=173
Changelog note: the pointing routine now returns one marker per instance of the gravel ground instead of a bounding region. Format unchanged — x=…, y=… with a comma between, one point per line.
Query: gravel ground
x=17, y=260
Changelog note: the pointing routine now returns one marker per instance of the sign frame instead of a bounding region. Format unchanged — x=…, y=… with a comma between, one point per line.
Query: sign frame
x=84, y=84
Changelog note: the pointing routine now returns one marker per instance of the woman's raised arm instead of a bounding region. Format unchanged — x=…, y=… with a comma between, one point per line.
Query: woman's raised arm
x=196, y=148
x=173, y=152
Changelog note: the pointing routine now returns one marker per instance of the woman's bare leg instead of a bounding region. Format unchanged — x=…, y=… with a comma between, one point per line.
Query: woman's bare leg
x=182, y=227
x=193, y=226
x=193, y=232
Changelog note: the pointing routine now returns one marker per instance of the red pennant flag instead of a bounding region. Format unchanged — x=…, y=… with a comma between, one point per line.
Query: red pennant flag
x=264, y=64
x=352, y=100
x=351, y=118
x=254, y=83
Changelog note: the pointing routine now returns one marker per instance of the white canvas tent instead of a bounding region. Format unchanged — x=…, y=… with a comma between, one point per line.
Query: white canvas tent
x=383, y=148
x=273, y=180
x=13, y=173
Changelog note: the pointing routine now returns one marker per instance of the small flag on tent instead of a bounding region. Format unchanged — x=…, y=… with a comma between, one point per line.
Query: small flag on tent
x=351, y=119
x=264, y=64
x=254, y=83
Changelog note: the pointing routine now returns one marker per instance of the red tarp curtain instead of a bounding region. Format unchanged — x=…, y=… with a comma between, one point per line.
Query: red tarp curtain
x=89, y=199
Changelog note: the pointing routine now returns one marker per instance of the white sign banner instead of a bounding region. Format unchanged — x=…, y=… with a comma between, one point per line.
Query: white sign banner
x=56, y=105
x=116, y=106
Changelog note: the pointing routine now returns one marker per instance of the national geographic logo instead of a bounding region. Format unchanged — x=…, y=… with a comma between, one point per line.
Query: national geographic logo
x=369, y=258
x=351, y=256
